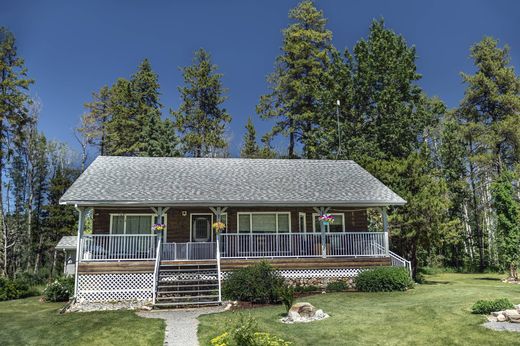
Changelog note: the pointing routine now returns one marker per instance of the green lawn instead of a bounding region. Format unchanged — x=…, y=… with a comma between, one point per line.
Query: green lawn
x=437, y=313
x=29, y=322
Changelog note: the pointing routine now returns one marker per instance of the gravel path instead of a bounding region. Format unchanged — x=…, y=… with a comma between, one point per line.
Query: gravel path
x=511, y=327
x=181, y=324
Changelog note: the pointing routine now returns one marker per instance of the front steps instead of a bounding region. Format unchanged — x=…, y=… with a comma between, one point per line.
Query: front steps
x=186, y=284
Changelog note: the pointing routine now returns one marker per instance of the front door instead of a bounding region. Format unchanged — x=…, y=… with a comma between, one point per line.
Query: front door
x=201, y=227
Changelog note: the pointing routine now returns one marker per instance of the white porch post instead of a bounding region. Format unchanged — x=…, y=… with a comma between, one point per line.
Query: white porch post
x=385, y=230
x=218, y=213
x=81, y=228
x=322, y=211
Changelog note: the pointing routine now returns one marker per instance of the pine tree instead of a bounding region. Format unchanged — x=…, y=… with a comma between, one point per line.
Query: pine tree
x=94, y=122
x=123, y=129
x=201, y=119
x=250, y=147
x=13, y=118
x=388, y=102
x=145, y=90
x=300, y=74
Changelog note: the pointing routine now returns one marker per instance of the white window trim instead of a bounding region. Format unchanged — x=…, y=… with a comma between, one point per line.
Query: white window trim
x=152, y=216
x=300, y=214
x=288, y=213
x=315, y=215
x=210, y=225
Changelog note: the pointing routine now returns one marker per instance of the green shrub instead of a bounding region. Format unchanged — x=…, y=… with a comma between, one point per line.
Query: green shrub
x=245, y=333
x=384, y=279
x=286, y=294
x=337, y=286
x=488, y=306
x=15, y=289
x=32, y=279
x=60, y=290
x=258, y=283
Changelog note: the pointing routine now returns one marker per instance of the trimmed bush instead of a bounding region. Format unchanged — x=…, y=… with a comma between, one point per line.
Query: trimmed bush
x=488, y=306
x=384, y=279
x=60, y=290
x=337, y=286
x=258, y=283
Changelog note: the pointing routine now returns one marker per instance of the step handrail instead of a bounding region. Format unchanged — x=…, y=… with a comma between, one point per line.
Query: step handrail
x=156, y=269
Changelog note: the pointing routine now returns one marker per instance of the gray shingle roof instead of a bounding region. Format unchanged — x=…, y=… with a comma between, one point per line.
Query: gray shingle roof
x=67, y=242
x=111, y=180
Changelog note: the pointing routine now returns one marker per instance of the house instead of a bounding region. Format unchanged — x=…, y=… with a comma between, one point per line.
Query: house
x=68, y=244
x=270, y=210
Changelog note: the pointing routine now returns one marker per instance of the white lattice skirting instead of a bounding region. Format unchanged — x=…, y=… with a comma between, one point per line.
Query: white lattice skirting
x=315, y=273
x=115, y=287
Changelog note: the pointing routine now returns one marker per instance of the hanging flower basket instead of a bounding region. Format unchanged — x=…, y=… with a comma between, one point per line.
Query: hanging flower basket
x=158, y=227
x=219, y=226
x=326, y=218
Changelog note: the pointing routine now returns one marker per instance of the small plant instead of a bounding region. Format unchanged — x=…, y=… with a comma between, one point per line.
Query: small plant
x=158, y=227
x=337, y=286
x=219, y=226
x=488, y=306
x=60, y=290
x=286, y=294
x=327, y=218
x=257, y=283
x=384, y=279
x=245, y=333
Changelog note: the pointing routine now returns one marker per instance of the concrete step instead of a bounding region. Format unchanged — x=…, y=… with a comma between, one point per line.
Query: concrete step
x=166, y=305
x=184, y=298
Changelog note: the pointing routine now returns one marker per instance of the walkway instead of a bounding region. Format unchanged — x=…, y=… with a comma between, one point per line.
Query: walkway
x=181, y=324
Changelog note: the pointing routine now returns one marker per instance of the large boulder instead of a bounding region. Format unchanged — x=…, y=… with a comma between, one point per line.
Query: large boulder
x=512, y=315
x=303, y=312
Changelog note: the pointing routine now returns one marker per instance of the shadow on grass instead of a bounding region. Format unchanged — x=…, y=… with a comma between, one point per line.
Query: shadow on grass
x=435, y=282
x=488, y=279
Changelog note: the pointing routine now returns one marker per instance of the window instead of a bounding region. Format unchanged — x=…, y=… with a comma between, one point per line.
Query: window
x=133, y=223
x=264, y=222
x=302, y=222
x=337, y=226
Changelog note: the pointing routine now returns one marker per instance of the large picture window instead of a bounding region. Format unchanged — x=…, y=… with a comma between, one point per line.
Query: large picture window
x=337, y=226
x=264, y=222
x=133, y=223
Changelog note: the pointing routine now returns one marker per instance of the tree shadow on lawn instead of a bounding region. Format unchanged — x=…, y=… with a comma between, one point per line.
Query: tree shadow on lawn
x=436, y=282
x=488, y=279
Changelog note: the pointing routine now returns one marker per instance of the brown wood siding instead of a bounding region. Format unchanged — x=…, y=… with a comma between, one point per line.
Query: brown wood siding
x=116, y=267
x=179, y=225
x=308, y=263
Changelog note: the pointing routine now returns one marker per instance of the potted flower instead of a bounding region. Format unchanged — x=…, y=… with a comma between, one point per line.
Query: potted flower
x=219, y=226
x=158, y=227
x=326, y=218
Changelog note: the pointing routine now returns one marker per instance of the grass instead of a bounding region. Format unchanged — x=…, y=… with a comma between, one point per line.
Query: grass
x=435, y=313
x=29, y=322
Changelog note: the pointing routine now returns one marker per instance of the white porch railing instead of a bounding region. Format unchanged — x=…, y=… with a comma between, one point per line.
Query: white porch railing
x=116, y=247
x=189, y=251
x=347, y=244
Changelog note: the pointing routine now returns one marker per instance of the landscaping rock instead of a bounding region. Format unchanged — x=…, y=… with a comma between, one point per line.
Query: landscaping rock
x=501, y=318
x=303, y=312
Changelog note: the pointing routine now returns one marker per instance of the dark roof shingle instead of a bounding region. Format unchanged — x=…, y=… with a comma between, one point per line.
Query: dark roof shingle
x=216, y=181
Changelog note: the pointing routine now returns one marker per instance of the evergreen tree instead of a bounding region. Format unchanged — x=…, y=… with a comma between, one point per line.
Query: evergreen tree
x=507, y=209
x=145, y=90
x=300, y=73
x=201, y=119
x=250, y=147
x=387, y=100
x=94, y=122
x=13, y=118
x=123, y=129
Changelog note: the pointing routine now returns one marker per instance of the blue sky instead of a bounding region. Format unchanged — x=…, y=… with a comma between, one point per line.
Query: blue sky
x=72, y=48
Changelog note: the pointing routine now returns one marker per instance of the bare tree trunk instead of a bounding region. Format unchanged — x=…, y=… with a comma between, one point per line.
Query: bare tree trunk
x=478, y=227
x=38, y=254
x=290, y=151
